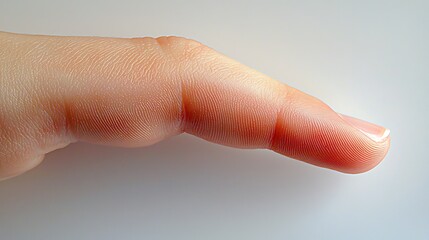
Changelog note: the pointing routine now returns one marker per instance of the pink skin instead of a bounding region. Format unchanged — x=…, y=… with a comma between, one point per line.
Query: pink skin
x=136, y=92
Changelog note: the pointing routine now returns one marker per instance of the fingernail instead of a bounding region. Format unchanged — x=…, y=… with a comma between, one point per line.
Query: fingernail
x=373, y=131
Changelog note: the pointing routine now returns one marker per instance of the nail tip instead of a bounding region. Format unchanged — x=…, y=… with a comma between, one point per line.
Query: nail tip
x=386, y=134
x=378, y=138
x=374, y=132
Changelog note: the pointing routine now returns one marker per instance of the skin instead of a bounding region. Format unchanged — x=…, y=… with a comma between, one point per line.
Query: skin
x=136, y=92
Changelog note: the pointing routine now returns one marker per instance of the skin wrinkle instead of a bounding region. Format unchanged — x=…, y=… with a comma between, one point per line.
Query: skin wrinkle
x=183, y=113
x=274, y=133
x=187, y=54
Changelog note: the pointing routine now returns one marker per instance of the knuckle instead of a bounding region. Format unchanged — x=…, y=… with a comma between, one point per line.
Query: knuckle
x=182, y=49
x=177, y=54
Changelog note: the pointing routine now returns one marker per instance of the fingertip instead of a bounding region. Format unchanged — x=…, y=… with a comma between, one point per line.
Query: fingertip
x=376, y=143
x=365, y=162
x=312, y=132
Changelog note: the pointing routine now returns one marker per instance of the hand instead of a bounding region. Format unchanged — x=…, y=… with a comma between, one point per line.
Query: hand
x=136, y=92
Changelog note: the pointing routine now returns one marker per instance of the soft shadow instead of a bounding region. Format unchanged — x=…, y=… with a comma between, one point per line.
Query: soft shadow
x=183, y=176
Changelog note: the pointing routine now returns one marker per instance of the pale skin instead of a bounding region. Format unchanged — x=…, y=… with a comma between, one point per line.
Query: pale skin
x=136, y=92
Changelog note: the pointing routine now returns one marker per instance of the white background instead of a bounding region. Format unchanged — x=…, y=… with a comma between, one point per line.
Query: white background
x=368, y=59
